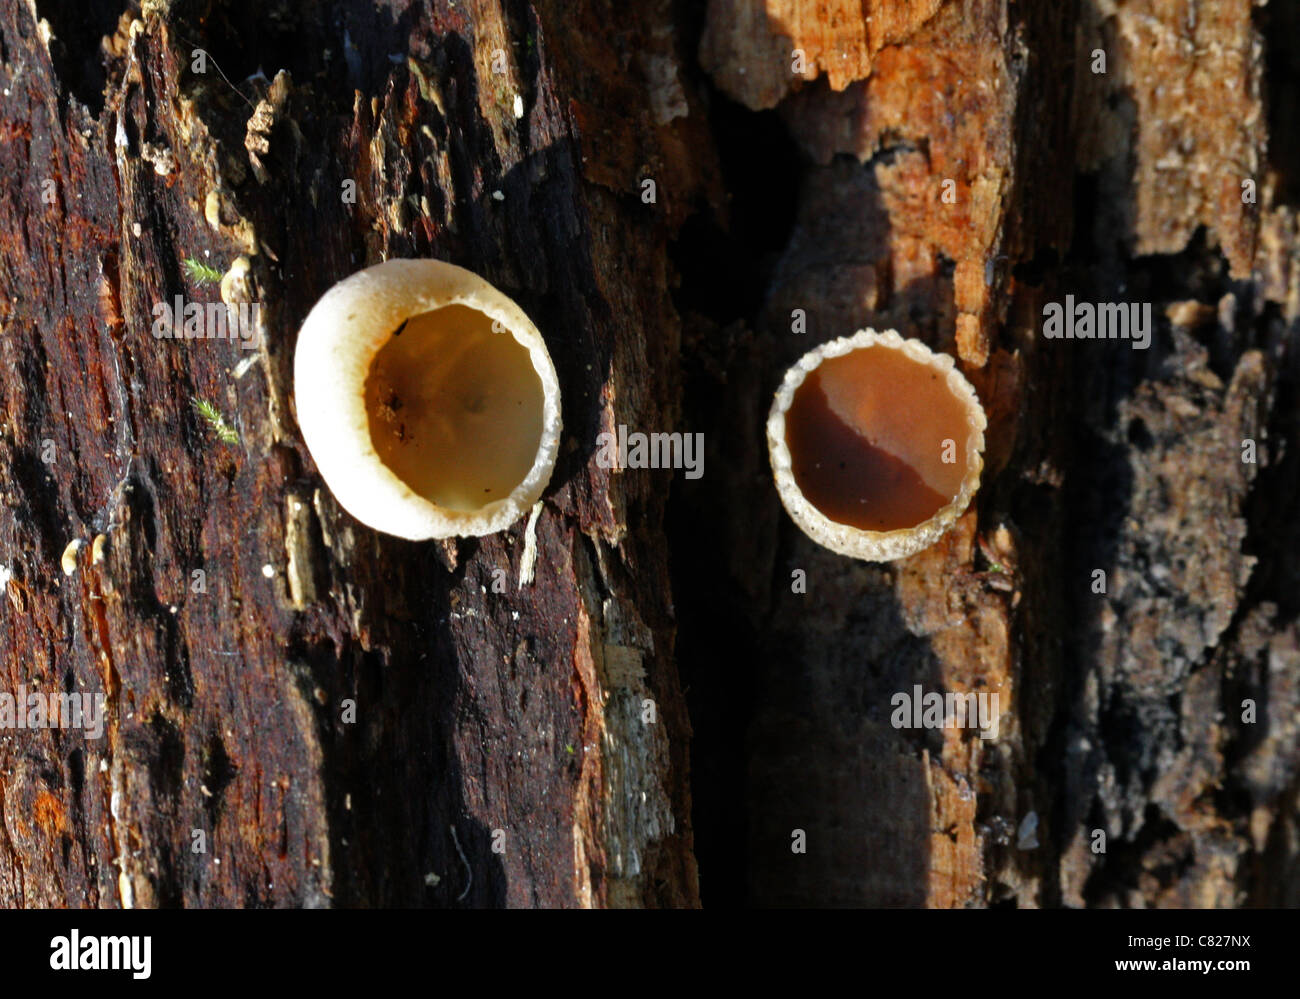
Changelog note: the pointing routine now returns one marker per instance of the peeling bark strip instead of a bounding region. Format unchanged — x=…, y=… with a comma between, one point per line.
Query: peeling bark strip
x=300, y=711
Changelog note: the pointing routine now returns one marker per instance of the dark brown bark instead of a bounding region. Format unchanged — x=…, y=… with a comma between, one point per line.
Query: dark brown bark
x=517, y=719
x=1123, y=712
x=476, y=711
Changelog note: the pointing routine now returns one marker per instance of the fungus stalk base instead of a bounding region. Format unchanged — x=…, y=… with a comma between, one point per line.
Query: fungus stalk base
x=455, y=408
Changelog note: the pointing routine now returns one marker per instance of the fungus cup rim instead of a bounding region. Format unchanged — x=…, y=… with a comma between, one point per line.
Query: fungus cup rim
x=844, y=539
x=337, y=344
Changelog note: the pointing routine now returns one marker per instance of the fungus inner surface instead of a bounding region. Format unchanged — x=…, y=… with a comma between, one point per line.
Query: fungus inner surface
x=455, y=409
x=866, y=434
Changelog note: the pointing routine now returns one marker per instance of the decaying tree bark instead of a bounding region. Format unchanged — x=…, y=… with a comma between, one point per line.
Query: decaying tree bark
x=333, y=716
x=301, y=711
x=969, y=162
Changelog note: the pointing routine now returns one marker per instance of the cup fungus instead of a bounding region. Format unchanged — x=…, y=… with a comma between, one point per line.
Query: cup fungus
x=875, y=443
x=427, y=399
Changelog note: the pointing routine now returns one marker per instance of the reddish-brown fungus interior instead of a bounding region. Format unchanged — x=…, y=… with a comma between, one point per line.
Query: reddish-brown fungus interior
x=867, y=432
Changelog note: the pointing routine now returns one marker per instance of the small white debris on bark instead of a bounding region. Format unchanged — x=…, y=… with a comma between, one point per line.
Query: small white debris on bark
x=69, y=560
x=528, y=560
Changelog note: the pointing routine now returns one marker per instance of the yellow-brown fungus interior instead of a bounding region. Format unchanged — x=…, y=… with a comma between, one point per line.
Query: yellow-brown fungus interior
x=866, y=434
x=455, y=409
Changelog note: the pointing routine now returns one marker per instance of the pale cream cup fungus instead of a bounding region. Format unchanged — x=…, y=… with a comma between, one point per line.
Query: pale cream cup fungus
x=427, y=399
x=875, y=443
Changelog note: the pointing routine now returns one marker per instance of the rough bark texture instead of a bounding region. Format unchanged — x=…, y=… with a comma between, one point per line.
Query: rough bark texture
x=483, y=719
x=944, y=168
x=1125, y=713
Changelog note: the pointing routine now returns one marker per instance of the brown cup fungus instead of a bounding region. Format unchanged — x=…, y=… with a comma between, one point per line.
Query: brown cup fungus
x=427, y=399
x=875, y=443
